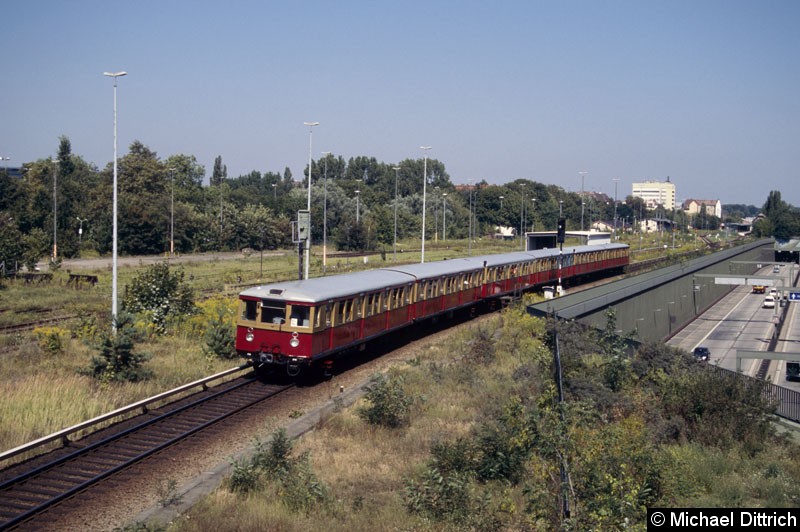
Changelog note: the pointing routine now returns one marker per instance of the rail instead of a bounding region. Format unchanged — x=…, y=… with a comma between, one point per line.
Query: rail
x=63, y=435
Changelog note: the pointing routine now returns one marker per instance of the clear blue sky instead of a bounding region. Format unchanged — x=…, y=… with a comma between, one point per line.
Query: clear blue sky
x=706, y=92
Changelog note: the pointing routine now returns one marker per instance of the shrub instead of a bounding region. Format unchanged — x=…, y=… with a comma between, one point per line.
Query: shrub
x=390, y=404
x=118, y=361
x=220, y=337
x=51, y=339
x=245, y=477
x=160, y=293
x=443, y=497
x=297, y=485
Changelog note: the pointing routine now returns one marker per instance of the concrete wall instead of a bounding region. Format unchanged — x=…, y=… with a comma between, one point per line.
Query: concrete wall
x=662, y=310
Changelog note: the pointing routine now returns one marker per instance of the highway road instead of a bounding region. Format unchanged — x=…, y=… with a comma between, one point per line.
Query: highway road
x=740, y=321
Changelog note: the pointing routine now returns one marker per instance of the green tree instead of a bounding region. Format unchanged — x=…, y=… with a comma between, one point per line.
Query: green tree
x=220, y=172
x=160, y=293
x=117, y=360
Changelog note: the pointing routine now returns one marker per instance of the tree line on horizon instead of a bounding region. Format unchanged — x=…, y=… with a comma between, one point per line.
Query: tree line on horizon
x=353, y=203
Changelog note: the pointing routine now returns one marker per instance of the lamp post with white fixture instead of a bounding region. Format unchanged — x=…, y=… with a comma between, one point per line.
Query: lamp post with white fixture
x=114, y=246
x=424, y=192
x=444, y=216
x=325, y=215
x=308, y=205
x=394, y=246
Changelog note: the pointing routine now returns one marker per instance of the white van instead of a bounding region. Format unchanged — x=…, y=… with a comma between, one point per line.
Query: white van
x=769, y=302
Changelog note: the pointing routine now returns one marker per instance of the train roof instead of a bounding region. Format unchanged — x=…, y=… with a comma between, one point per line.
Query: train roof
x=330, y=287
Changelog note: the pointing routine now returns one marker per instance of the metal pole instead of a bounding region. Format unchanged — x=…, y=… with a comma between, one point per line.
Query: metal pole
x=444, y=216
x=469, y=238
x=325, y=216
x=394, y=245
x=582, y=174
x=172, y=215
x=424, y=196
x=308, y=205
x=114, y=229
x=55, y=211
x=616, y=180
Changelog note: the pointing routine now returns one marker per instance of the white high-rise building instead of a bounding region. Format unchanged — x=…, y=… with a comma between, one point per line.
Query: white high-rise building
x=655, y=193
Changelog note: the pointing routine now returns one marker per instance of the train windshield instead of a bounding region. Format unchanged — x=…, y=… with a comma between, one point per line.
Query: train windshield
x=249, y=309
x=273, y=311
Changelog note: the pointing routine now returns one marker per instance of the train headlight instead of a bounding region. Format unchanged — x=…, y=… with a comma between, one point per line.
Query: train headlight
x=295, y=341
x=249, y=336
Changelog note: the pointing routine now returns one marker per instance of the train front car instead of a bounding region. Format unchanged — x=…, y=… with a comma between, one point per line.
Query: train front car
x=297, y=325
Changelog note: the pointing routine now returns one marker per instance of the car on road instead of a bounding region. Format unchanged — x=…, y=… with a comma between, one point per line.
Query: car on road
x=776, y=269
x=769, y=302
x=701, y=353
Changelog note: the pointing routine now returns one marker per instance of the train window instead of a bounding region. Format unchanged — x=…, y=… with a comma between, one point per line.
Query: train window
x=273, y=311
x=300, y=316
x=341, y=312
x=369, y=308
x=249, y=309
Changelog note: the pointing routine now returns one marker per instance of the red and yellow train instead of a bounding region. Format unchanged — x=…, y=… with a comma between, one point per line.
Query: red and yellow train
x=298, y=325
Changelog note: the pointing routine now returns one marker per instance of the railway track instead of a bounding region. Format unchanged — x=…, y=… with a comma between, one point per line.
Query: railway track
x=11, y=329
x=33, y=490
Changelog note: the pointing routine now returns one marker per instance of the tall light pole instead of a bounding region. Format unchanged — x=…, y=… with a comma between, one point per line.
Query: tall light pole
x=469, y=240
x=444, y=216
x=394, y=246
x=325, y=216
x=582, y=174
x=308, y=206
x=615, y=180
x=5, y=159
x=424, y=193
x=436, y=216
x=55, y=210
x=358, y=205
x=172, y=214
x=521, y=217
x=114, y=75
x=533, y=215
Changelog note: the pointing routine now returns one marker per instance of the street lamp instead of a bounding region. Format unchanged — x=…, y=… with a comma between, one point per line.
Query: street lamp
x=5, y=159
x=114, y=75
x=55, y=210
x=444, y=216
x=436, y=216
x=582, y=174
x=521, y=217
x=561, y=207
x=308, y=206
x=172, y=214
x=358, y=205
x=533, y=215
x=325, y=216
x=394, y=246
x=424, y=195
x=501, y=202
x=615, y=180
x=274, y=191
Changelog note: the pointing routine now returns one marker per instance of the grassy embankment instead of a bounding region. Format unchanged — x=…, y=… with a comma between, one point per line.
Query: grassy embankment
x=480, y=445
